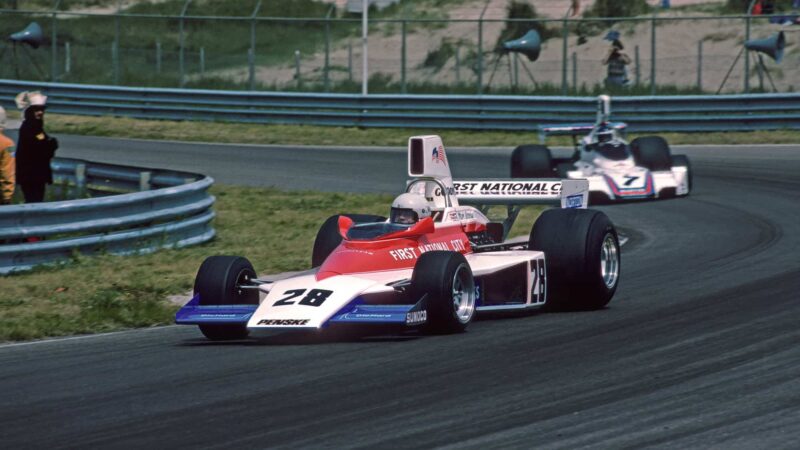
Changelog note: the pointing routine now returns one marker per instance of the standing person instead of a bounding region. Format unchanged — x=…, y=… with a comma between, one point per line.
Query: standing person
x=7, y=166
x=616, y=60
x=35, y=148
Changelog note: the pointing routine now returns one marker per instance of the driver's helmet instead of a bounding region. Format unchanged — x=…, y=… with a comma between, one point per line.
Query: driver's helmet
x=409, y=209
x=605, y=134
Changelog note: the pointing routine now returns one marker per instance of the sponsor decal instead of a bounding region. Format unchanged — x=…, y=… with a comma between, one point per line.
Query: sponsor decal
x=575, y=201
x=411, y=253
x=437, y=155
x=416, y=317
x=509, y=188
x=283, y=321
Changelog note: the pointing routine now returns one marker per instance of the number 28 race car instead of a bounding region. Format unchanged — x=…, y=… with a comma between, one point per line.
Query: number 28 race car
x=432, y=264
x=616, y=170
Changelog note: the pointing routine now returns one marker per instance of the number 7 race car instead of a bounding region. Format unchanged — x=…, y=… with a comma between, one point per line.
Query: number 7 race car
x=433, y=264
x=616, y=170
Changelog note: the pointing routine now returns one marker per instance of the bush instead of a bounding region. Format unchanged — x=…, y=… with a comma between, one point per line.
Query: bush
x=514, y=30
x=617, y=8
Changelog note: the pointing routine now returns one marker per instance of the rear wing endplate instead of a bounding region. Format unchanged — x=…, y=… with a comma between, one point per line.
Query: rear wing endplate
x=546, y=191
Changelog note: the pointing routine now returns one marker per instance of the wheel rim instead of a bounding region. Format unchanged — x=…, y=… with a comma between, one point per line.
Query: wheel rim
x=463, y=294
x=609, y=261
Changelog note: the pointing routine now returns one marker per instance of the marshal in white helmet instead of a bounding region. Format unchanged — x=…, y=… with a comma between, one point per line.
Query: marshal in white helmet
x=409, y=209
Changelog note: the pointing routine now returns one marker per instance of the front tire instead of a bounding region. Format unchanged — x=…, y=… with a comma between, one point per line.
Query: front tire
x=582, y=256
x=532, y=161
x=652, y=152
x=446, y=281
x=217, y=283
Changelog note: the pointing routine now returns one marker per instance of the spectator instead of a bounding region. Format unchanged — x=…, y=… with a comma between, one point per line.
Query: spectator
x=35, y=148
x=7, y=168
x=616, y=60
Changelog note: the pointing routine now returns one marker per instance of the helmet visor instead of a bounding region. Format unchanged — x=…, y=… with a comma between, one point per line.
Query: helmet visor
x=403, y=216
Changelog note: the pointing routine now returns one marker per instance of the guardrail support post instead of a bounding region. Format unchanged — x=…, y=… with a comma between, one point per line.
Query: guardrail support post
x=80, y=180
x=144, y=181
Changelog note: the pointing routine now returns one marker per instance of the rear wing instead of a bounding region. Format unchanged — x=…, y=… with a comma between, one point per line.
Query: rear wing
x=575, y=129
x=549, y=191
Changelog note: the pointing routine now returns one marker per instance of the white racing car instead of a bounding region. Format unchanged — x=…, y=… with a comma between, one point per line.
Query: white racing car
x=616, y=170
x=432, y=264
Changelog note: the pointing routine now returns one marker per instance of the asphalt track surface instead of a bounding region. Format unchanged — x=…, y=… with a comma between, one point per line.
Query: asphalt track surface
x=698, y=349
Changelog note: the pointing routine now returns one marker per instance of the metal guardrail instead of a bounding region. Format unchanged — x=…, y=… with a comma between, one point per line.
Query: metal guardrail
x=172, y=209
x=643, y=114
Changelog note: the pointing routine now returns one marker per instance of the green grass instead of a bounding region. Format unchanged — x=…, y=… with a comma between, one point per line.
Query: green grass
x=274, y=229
x=319, y=135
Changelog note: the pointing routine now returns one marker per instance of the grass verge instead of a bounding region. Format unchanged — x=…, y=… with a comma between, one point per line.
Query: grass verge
x=318, y=135
x=107, y=293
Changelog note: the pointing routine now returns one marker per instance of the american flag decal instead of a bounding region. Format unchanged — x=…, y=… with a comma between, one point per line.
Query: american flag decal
x=438, y=155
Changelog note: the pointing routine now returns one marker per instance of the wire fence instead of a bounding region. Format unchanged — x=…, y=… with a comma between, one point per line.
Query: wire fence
x=669, y=53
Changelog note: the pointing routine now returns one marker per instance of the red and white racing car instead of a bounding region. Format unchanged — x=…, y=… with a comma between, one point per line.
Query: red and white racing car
x=433, y=263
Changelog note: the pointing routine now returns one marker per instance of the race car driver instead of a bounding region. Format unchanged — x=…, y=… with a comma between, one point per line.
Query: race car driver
x=408, y=209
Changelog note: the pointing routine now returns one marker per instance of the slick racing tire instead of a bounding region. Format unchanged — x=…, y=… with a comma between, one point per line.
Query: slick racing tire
x=328, y=237
x=217, y=283
x=652, y=152
x=683, y=161
x=445, y=280
x=582, y=256
x=532, y=161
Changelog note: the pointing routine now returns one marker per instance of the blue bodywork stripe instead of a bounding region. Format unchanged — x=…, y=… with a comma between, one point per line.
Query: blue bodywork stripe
x=194, y=314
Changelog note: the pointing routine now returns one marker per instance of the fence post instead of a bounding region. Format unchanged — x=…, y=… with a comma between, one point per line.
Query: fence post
x=251, y=53
x=54, y=45
x=144, y=181
x=638, y=67
x=458, y=65
x=328, y=48
x=747, y=56
x=182, y=44
x=297, y=69
x=350, y=61
x=575, y=72
x=700, y=65
x=158, y=57
x=202, y=61
x=653, y=56
x=403, y=58
x=67, y=58
x=564, y=63
x=115, y=62
x=480, y=55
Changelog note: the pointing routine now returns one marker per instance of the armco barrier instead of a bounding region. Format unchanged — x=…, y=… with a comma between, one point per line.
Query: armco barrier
x=174, y=211
x=660, y=113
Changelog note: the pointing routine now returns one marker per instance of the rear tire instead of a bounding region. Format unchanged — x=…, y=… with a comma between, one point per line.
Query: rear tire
x=532, y=161
x=582, y=256
x=652, y=152
x=216, y=284
x=446, y=280
x=328, y=237
x=683, y=161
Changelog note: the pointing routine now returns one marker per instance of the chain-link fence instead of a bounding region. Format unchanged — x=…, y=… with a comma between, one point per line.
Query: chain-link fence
x=184, y=47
